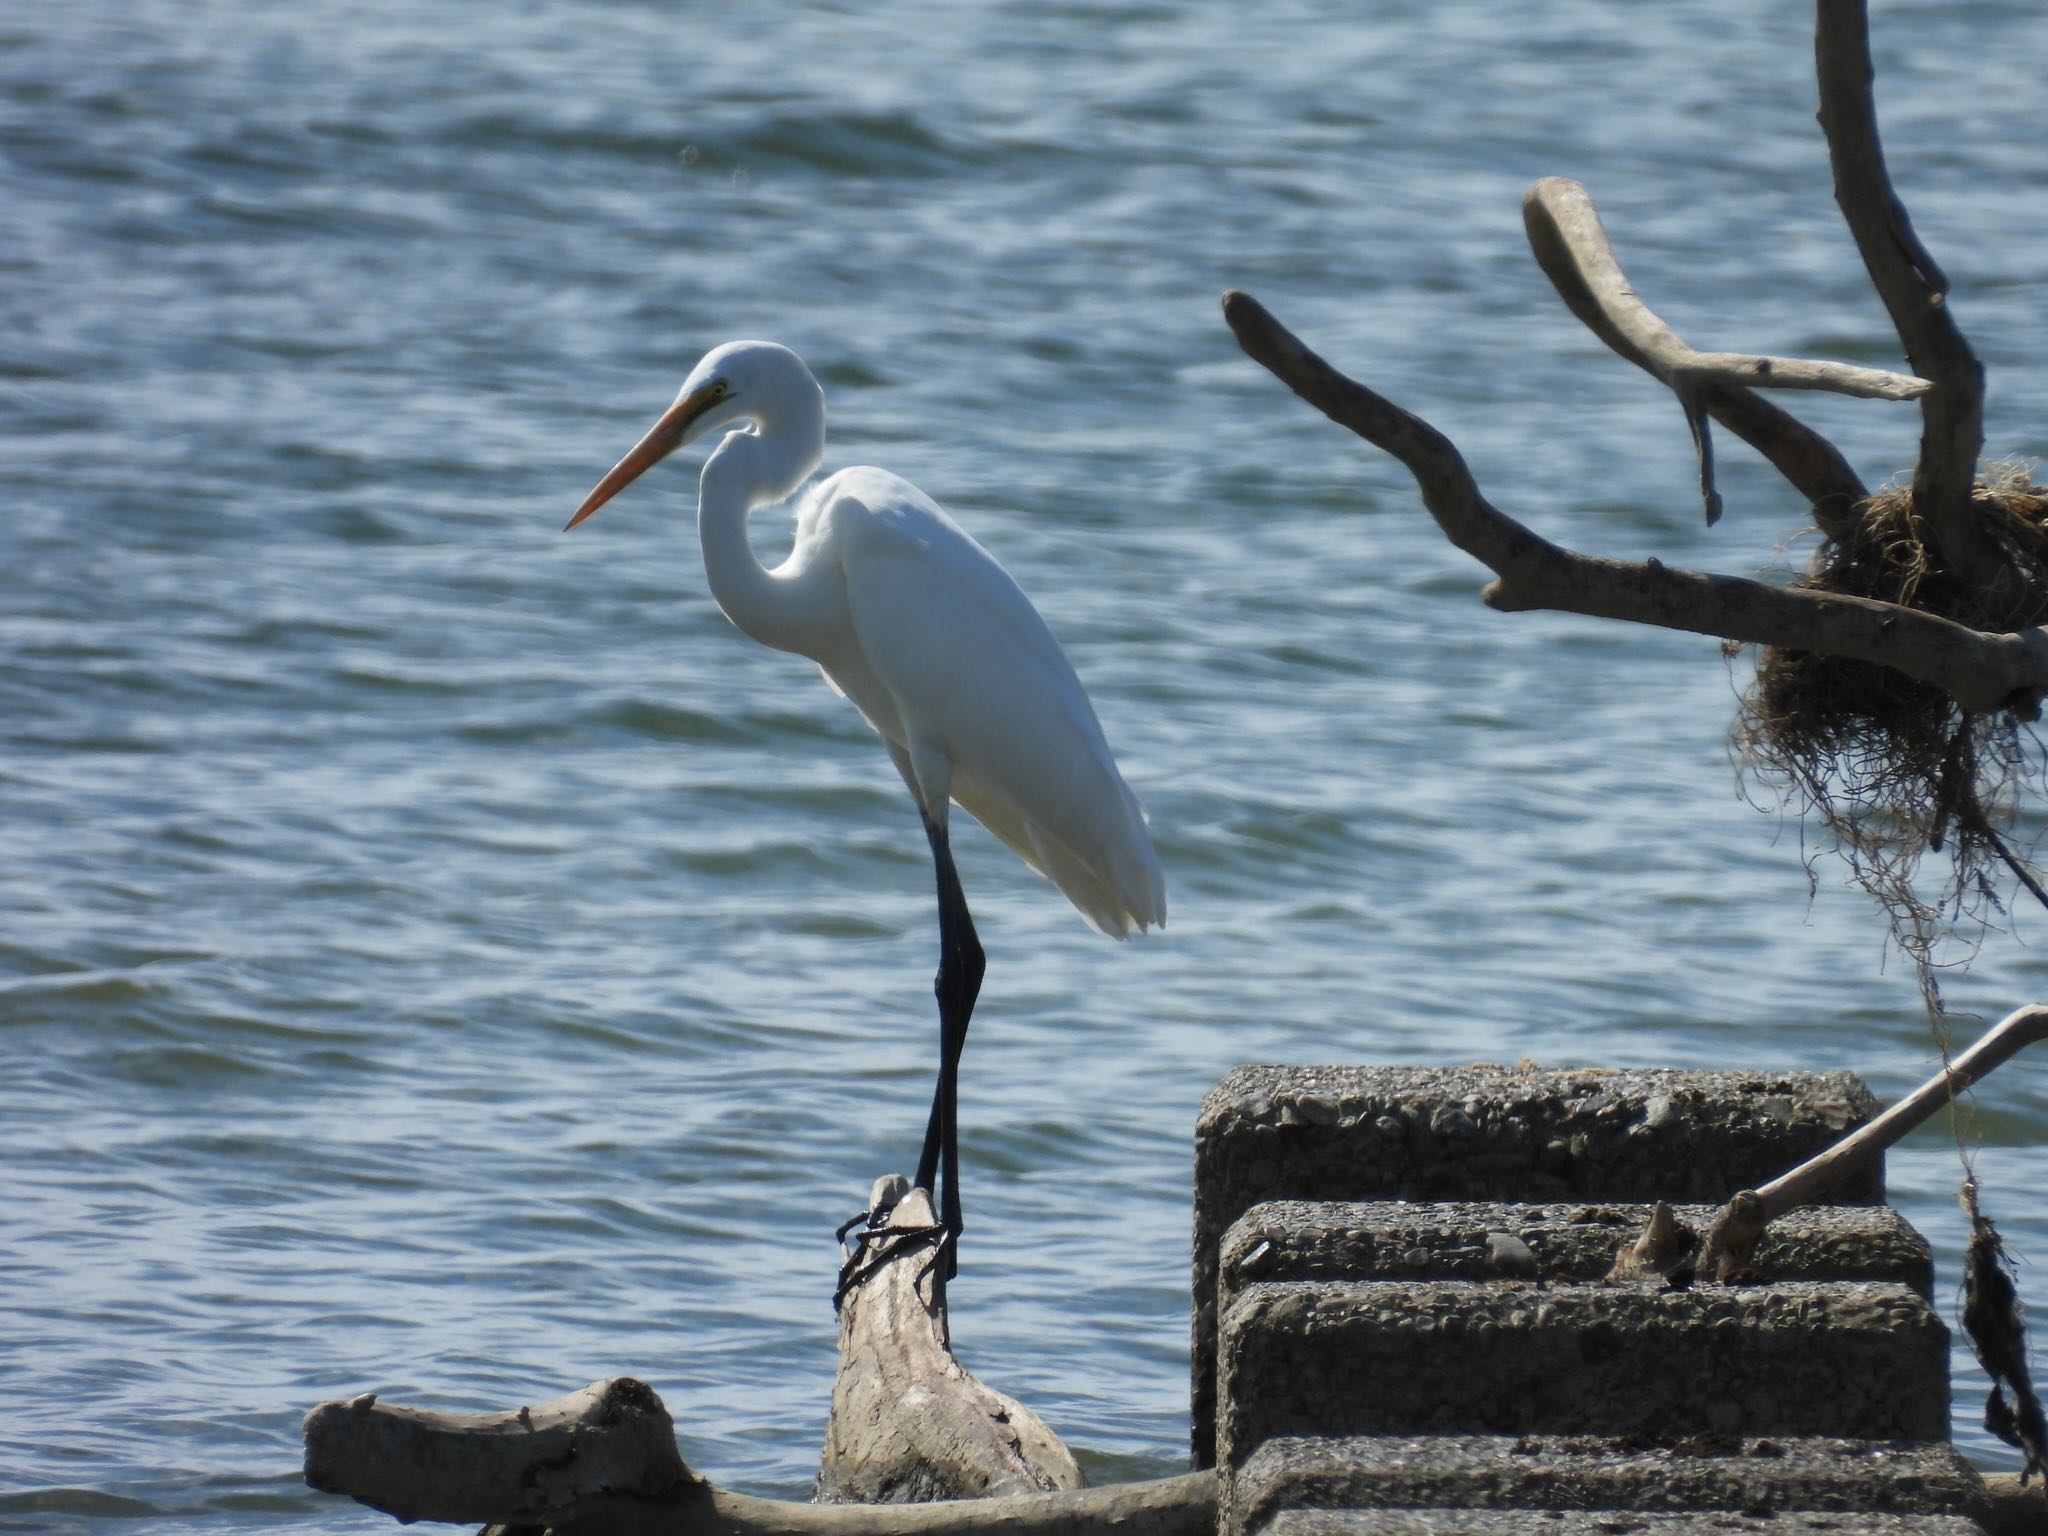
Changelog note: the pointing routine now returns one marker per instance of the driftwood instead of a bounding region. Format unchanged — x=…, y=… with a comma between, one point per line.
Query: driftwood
x=908, y=1423
x=1733, y=1237
x=535, y=1465
x=1983, y=670
x=1915, y=291
x=1570, y=246
x=603, y=1462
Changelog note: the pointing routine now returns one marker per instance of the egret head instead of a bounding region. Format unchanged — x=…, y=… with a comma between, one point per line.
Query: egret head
x=742, y=381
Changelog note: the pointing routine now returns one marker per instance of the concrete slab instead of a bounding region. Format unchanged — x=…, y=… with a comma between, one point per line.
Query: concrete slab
x=1602, y=1522
x=1461, y=1240
x=1864, y=1360
x=1750, y=1477
x=1416, y=1133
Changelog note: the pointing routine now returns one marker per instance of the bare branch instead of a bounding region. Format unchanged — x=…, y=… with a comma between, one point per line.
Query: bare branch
x=1914, y=290
x=1798, y=373
x=1733, y=1236
x=1571, y=248
x=1980, y=670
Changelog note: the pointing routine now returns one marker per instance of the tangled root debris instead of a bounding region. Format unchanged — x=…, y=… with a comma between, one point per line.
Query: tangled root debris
x=1892, y=767
x=1998, y=1334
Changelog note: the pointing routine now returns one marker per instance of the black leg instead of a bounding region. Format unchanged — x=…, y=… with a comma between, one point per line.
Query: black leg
x=956, y=986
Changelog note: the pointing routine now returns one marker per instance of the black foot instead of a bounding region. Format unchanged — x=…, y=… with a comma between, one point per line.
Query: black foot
x=846, y=1226
x=875, y=1247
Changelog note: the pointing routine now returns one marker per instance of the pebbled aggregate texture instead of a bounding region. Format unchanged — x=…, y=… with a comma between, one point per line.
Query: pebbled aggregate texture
x=1484, y=1132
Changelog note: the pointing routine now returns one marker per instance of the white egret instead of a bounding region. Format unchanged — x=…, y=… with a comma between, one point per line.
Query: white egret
x=940, y=651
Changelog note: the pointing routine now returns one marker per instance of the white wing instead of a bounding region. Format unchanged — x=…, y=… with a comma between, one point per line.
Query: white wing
x=949, y=661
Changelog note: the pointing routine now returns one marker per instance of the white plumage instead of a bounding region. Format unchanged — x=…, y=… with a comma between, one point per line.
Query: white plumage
x=916, y=623
x=932, y=641
x=946, y=658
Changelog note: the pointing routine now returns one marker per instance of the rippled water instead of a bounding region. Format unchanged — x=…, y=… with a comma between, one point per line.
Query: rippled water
x=440, y=956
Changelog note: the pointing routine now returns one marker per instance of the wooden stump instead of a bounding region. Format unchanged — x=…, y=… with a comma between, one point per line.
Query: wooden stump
x=908, y=1423
x=908, y=1427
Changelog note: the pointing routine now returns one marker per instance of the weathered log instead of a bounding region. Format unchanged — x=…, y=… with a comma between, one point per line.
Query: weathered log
x=1171, y=1506
x=1915, y=294
x=603, y=1462
x=908, y=1424
x=532, y=1466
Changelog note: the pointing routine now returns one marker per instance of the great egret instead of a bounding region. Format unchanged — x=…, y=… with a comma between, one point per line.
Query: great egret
x=940, y=651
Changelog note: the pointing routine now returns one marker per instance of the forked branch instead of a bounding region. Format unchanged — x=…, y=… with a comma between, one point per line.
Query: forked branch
x=1571, y=248
x=1915, y=293
x=1981, y=670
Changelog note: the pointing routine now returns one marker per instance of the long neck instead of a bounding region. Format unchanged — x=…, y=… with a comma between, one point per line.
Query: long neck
x=748, y=470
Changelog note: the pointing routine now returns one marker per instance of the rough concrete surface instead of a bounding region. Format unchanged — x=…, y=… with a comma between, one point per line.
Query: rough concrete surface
x=1492, y=1133
x=1534, y=1473
x=1458, y=1240
x=1863, y=1360
x=1601, y=1522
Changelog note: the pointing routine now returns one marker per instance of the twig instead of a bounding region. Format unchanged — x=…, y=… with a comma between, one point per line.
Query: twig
x=1981, y=670
x=1733, y=1237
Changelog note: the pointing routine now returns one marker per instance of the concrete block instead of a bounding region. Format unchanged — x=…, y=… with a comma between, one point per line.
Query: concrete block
x=1461, y=1240
x=1755, y=1479
x=1602, y=1522
x=1865, y=1360
x=1489, y=1133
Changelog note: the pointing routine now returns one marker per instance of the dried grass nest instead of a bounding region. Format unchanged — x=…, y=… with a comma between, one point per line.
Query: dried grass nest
x=1894, y=767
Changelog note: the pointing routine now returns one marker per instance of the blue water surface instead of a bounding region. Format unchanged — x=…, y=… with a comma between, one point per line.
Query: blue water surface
x=438, y=955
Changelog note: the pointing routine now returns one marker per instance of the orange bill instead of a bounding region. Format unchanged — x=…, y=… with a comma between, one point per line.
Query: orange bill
x=662, y=439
